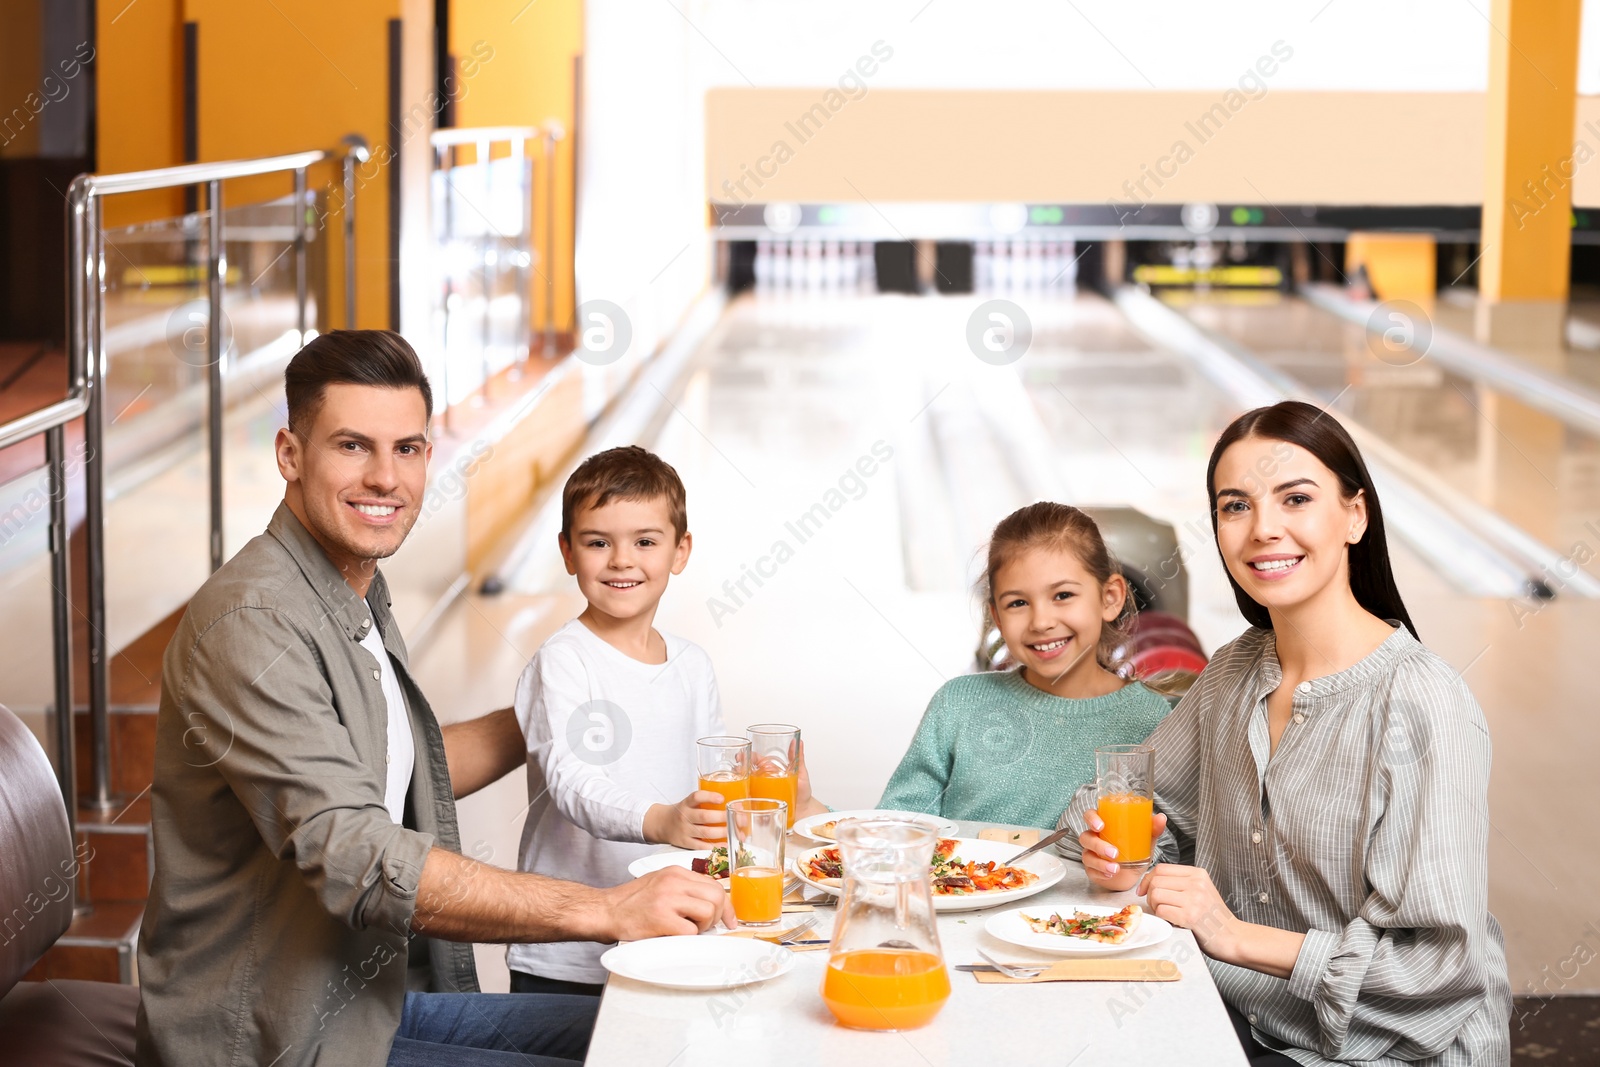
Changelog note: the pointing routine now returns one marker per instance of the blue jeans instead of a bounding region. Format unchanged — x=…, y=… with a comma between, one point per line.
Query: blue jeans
x=493, y=1029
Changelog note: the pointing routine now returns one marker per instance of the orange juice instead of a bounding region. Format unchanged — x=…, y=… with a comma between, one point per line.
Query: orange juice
x=782, y=787
x=1127, y=819
x=757, y=894
x=885, y=988
x=725, y=783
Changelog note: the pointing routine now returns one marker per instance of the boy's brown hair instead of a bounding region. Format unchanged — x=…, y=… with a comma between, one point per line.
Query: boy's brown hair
x=626, y=473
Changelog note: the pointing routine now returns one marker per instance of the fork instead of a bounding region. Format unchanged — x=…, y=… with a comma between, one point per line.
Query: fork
x=793, y=935
x=1011, y=970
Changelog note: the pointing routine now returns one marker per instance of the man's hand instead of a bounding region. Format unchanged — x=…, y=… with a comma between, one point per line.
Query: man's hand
x=686, y=824
x=1100, y=856
x=673, y=900
x=459, y=899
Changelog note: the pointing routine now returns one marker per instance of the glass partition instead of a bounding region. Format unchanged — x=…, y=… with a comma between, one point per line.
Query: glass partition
x=155, y=342
x=483, y=267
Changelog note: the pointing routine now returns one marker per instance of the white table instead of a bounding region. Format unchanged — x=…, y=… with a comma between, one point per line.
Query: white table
x=783, y=1020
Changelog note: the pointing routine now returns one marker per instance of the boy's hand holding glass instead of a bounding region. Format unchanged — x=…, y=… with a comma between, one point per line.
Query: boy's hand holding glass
x=695, y=822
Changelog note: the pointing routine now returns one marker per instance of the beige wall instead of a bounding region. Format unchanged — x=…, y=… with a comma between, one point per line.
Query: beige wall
x=1081, y=147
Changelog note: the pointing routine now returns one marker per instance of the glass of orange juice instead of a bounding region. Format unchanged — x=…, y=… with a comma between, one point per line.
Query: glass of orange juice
x=756, y=828
x=724, y=768
x=775, y=763
x=1124, y=780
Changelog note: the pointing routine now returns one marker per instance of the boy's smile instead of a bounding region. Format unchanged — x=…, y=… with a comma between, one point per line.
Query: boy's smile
x=622, y=554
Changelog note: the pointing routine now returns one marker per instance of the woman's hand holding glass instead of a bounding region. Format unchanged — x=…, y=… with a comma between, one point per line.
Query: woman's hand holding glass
x=1100, y=855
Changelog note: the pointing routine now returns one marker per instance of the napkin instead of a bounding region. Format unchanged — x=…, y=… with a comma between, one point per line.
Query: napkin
x=1092, y=971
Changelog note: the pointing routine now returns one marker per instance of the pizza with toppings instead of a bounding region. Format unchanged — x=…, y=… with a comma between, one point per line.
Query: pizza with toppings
x=952, y=876
x=1111, y=929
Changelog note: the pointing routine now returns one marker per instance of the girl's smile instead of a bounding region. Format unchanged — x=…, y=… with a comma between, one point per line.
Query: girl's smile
x=1050, y=611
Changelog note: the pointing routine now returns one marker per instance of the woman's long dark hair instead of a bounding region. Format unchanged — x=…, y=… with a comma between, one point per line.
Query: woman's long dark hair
x=1298, y=423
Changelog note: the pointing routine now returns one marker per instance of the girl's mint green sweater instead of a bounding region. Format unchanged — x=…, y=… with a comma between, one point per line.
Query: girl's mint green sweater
x=992, y=748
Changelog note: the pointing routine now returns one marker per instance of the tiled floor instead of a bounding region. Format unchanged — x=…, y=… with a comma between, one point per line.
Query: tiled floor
x=850, y=636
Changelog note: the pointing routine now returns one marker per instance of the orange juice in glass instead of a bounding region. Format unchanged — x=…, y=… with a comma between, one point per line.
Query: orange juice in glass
x=756, y=829
x=1124, y=791
x=757, y=894
x=724, y=768
x=775, y=763
x=885, y=988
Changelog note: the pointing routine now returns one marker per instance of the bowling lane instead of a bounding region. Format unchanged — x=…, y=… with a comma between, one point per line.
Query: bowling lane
x=846, y=457
x=830, y=584
x=1530, y=468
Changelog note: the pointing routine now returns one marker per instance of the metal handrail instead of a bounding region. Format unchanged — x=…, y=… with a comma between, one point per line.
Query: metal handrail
x=86, y=361
x=455, y=135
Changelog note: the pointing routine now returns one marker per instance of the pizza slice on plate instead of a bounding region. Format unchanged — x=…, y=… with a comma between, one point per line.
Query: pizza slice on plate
x=1111, y=929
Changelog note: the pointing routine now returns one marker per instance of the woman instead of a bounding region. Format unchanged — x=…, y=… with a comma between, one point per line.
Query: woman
x=1325, y=783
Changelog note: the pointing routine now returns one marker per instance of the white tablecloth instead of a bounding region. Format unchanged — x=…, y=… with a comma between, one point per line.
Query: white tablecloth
x=783, y=1020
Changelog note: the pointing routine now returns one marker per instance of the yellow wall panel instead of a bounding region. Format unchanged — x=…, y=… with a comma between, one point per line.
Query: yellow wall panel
x=1400, y=266
x=299, y=74
x=1529, y=130
x=20, y=73
x=528, y=80
x=139, y=102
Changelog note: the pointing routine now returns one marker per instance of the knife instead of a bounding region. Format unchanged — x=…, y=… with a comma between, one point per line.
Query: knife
x=1043, y=843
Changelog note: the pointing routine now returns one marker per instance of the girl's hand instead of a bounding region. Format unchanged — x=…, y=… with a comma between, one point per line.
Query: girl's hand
x=1100, y=856
x=1186, y=897
x=804, y=803
x=686, y=824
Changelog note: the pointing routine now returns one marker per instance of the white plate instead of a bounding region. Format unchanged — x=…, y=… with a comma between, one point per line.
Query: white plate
x=698, y=962
x=1049, y=869
x=942, y=826
x=675, y=857
x=1009, y=927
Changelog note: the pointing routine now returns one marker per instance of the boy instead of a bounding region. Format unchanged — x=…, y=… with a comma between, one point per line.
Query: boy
x=611, y=707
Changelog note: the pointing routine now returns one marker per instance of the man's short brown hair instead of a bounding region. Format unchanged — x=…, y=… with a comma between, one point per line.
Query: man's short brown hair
x=351, y=357
x=626, y=473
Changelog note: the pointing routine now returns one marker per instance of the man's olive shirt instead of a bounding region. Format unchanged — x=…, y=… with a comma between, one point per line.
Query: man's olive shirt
x=279, y=924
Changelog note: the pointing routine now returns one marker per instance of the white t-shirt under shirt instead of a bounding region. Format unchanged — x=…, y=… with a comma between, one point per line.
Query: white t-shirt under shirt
x=607, y=737
x=402, y=754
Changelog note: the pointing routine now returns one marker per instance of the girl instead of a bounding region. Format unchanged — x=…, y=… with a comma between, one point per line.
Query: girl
x=1012, y=746
x=1325, y=782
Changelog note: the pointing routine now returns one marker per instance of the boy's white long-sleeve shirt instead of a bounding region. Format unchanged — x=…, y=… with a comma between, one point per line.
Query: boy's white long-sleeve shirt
x=607, y=737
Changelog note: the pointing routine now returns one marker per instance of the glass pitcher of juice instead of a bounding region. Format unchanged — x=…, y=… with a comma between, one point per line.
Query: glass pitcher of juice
x=885, y=968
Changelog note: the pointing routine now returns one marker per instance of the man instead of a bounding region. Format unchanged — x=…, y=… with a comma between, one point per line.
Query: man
x=310, y=903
